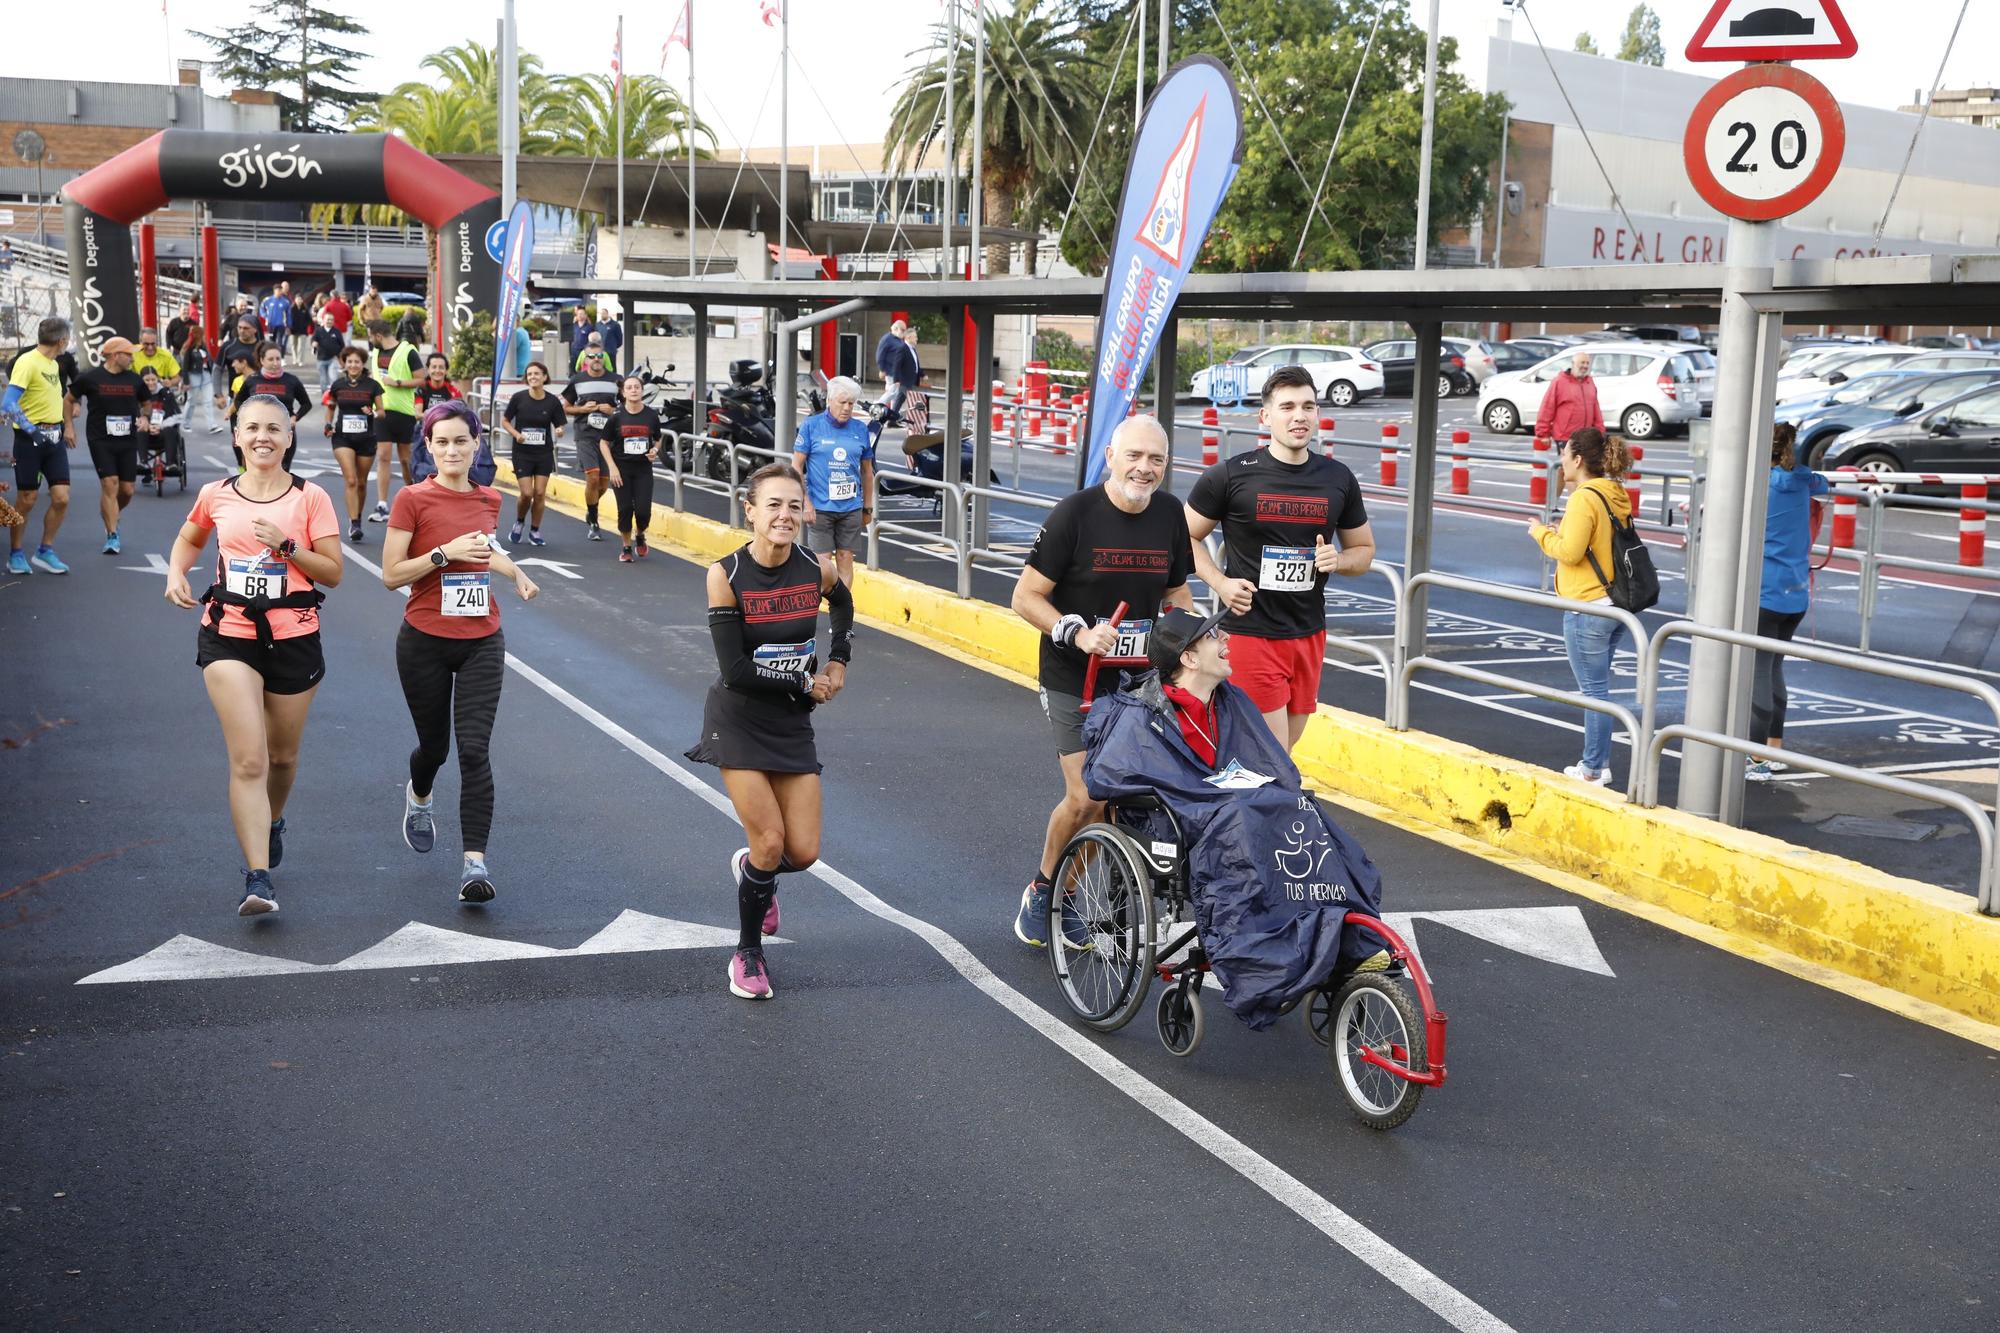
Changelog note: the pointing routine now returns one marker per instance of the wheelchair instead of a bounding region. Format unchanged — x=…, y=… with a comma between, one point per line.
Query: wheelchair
x=1128, y=881
x=162, y=457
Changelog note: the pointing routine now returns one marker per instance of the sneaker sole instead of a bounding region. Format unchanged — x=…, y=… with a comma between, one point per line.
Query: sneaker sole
x=256, y=906
x=478, y=891
x=742, y=994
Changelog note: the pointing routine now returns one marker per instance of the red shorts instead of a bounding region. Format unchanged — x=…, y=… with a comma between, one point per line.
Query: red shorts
x=1279, y=673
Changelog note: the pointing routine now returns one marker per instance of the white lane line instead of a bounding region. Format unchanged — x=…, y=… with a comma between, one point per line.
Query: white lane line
x=1416, y=1281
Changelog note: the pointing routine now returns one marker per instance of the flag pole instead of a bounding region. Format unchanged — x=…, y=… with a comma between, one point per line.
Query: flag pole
x=510, y=113
x=978, y=128
x=623, y=240
x=784, y=129
x=688, y=123
x=950, y=143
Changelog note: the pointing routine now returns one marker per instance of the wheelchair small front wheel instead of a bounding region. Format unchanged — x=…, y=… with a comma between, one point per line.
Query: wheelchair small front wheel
x=1372, y=1011
x=1180, y=1020
x=1100, y=929
x=1319, y=1016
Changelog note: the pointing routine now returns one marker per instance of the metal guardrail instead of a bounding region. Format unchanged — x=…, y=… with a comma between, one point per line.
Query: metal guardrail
x=1387, y=658
x=1399, y=719
x=1648, y=771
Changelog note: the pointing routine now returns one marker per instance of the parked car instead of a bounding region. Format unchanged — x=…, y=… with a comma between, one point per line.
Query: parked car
x=1398, y=359
x=1962, y=435
x=1641, y=388
x=1547, y=344
x=1518, y=355
x=1953, y=359
x=1875, y=400
x=1703, y=361
x=1657, y=333
x=1342, y=375
x=1825, y=374
x=1478, y=357
x=1960, y=340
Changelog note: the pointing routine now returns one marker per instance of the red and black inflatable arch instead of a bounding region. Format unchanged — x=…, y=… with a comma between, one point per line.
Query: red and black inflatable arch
x=100, y=206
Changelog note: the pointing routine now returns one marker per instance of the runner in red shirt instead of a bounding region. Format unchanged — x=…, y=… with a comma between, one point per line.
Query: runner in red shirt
x=449, y=653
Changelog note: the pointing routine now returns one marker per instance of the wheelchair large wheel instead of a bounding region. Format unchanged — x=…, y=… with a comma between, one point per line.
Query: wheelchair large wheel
x=1373, y=1010
x=1105, y=975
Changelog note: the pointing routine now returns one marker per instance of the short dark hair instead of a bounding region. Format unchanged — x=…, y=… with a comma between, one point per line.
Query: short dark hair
x=437, y=356
x=770, y=472
x=355, y=352
x=51, y=332
x=1288, y=377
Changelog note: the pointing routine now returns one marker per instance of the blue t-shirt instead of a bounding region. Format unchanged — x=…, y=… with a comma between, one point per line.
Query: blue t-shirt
x=833, y=461
x=1788, y=538
x=523, y=351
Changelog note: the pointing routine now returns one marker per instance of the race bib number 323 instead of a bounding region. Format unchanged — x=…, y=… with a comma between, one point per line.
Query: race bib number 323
x=1286, y=569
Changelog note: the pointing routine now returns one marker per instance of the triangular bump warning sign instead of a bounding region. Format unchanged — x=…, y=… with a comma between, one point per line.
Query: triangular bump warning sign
x=1773, y=30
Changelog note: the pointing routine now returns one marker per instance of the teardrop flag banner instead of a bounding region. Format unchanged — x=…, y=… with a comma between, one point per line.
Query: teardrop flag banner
x=1189, y=146
x=517, y=248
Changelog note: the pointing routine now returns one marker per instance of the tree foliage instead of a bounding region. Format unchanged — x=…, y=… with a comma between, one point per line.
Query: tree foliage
x=1294, y=61
x=1039, y=94
x=1641, y=43
x=285, y=45
x=1587, y=44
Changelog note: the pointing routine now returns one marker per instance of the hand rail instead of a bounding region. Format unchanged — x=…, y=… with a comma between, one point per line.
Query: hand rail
x=1648, y=792
x=1400, y=715
x=1358, y=645
x=952, y=529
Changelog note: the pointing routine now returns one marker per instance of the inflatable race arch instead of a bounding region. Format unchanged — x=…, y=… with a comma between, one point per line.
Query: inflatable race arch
x=101, y=205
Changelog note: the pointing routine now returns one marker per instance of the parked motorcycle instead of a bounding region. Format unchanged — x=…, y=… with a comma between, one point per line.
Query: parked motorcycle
x=739, y=413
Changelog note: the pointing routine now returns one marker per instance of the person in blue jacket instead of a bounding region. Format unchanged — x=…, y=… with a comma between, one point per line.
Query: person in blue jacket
x=1787, y=587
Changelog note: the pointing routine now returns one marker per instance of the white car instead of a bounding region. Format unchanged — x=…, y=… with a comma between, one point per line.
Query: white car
x=1479, y=362
x=1341, y=375
x=1814, y=379
x=1641, y=387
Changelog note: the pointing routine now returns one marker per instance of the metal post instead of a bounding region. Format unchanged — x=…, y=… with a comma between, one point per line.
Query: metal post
x=954, y=390
x=1500, y=200
x=1711, y=779
x=1424, y=158
x=982, y=423
x=786, y=355
x=694, y=262
x=1413, y=615
x=1139, y=72
x=785, y=145
x=698, y=388
x=950, y=143
x=978, y=182
x=1166, y=34
x=1166, y=374
x=509, y=79
x=624, y=241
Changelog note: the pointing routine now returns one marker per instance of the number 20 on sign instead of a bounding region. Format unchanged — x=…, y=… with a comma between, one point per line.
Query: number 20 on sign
x=1764, y=142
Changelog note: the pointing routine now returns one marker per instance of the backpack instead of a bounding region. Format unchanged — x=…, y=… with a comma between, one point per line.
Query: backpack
x=1634, y=584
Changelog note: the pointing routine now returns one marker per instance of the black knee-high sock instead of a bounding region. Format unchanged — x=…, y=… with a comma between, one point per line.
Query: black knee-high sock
x=593, y=513
x=753, y=899
x=785, y=866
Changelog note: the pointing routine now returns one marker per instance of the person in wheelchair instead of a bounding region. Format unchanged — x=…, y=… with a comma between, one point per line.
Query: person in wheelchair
x=162, y=431
x=1272, y=879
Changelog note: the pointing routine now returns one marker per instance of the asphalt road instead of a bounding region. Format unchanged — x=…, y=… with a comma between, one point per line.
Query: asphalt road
x=1676, y=1139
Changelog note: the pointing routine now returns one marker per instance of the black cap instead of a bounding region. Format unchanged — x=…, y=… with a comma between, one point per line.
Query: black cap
x=1175, y=632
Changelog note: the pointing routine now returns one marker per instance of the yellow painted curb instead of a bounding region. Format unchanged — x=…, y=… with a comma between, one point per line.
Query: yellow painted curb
x=1912, y=938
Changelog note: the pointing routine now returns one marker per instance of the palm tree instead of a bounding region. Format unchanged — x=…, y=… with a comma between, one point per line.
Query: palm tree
x=1040, y=96
x=657, y=121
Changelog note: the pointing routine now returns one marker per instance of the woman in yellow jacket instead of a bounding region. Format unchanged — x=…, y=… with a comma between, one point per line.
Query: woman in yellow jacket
x=1591, y=466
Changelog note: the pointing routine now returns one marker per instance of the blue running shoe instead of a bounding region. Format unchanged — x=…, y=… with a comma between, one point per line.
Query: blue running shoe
x=277, y=841
x=111, y=543
x=46, y=560
x=514, y=535
x=535, y=537
x=1033, y=922
x=259, y=894
x=476, y=884
x=418, y=829
x=17, y=563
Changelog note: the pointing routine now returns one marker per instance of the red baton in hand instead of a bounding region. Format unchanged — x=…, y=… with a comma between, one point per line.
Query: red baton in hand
x=1090, y=671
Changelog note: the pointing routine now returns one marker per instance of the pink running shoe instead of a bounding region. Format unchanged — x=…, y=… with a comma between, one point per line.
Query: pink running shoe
x=747, y=978
x=736, y=866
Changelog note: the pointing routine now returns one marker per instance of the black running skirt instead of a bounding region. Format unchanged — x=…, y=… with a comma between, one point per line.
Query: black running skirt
x=740, y=730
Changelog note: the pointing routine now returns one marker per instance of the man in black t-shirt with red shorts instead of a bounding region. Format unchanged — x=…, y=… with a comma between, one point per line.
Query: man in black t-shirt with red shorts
x=1288, y=521
x=1122, y=541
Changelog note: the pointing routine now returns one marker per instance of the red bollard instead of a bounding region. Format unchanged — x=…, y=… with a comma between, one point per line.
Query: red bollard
x=1389, y=434
x=1061, y=425
x=1326, y=428
x=1461, y=471
x=1972, y=527
x=999, y=407
x=1036, y=401
x=1263, y=437
x=1846, y=507
x=1211, y=437
x=1538, y=481
x=1638, y=452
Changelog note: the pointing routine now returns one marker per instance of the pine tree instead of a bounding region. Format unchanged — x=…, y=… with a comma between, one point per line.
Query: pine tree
x=285, y=47
x=1642, y=38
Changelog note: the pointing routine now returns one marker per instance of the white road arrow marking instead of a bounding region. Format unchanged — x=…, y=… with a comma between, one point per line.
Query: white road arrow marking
x=561, y=567
x=155, y=564
x=416, y=945
x=1557, y=935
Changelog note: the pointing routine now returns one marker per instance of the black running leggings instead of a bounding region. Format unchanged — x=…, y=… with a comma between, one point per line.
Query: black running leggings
x=454, y=685
x=635, y=497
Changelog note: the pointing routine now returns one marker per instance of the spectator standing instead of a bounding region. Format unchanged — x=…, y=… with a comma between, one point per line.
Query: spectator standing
x=888, y=355
x=343, y=313
x=1570, y=404
x=301, y=329
x=1787, y=586
x=613, y=334
x=275, y=311
x=1581, y=548
x=367, y=312
x=327, y=342
x=521, y=349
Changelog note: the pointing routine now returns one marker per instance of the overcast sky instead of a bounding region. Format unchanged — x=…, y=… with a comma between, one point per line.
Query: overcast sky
x=853, y=56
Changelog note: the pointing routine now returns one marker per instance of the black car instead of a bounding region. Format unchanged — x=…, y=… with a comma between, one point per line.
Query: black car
x=1398, y=359
x=1519, y=355
x=1962, y=435
x=1657, y=333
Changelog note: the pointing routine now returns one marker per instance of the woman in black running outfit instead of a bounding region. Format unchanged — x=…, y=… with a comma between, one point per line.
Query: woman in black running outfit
x=535, y=418
x=631, y=445
x=763, y=614
x=449, y=652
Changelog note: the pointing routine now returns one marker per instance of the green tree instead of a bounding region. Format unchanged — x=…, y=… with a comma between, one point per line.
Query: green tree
x=1587, y=44
x=657, y=122
x=1642, y=43
x=1297, y=59
x=1039, y=95
x=286, y=45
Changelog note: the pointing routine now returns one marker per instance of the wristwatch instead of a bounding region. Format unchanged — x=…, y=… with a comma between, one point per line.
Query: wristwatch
x=287, y=548
x=438, y=557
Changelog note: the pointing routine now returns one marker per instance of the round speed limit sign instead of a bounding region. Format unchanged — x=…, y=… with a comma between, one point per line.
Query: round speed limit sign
x=1764, y=142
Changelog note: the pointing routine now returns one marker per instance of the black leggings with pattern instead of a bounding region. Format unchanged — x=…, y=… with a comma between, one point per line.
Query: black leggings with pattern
x=453, y=685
